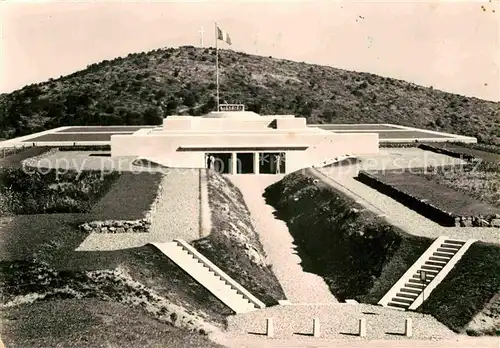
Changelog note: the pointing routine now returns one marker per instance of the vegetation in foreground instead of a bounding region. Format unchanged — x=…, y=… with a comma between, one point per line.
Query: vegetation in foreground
x=361, y=256
x=88, y=322
x=50, y=191
x=144, y=87
x=233, y=244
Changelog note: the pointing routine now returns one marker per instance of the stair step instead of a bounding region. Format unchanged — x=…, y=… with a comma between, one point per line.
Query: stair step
x=208, y=278
x=418, y=281
x=447, y=250
x=448, y=256
x=407, y=295
x=451, y=246
x=450, y=241
x=435, y=263
x=398, y=305
x=411, y=291
x=441, y=259
x=402, y=300
x=429, y=272
x=414, y=285
x=431, y=268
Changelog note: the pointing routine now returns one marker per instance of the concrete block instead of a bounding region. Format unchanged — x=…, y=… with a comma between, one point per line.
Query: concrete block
x=269, y=327
x=408, y=327
x=316, y=328
x=362, y=327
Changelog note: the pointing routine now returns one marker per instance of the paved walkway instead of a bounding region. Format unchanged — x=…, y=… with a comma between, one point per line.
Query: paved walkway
x=299, y=286
x=337, y=321
x=353, y=342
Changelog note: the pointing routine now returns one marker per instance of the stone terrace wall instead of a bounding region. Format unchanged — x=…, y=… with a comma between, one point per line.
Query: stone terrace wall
x=117, y=226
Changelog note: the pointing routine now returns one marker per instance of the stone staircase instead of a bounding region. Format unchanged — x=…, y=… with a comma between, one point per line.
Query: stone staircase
x=227, y=290
x=411, y=290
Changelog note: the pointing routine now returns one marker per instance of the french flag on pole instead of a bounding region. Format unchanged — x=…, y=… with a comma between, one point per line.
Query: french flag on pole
x=222, y=35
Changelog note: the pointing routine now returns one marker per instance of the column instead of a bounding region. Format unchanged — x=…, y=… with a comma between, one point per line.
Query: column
x=234, y=163
x=256, y=163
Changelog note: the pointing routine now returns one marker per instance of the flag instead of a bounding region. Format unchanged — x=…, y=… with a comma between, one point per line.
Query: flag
x=222, y=35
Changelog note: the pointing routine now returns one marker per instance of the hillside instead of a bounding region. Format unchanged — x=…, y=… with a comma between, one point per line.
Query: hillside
x=144, y=87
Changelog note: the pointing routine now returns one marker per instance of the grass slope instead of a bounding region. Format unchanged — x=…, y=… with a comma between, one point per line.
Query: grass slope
x=82, y=323
x=143, y=87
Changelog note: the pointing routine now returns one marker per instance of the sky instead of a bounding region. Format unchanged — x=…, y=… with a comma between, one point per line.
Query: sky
x=451, y=45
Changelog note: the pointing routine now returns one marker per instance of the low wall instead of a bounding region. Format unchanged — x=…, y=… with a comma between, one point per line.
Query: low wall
x=117, y=226
x=448, y=152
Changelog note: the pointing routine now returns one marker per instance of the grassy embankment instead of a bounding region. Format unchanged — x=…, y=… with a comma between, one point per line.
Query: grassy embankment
x=361, y=256
x=233, y=244
x=39, y=264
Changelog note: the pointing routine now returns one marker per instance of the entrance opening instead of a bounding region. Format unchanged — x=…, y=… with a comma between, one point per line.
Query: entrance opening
x=272, y=162
x=245, y=163
x=220, y=162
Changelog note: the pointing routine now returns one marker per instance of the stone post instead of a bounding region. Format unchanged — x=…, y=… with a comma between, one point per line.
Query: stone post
x=408, y=327
x=316, y=328
x=269, y=327
x=362, y=327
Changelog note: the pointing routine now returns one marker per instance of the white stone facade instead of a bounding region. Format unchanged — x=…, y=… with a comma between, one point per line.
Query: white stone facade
x=243, y=141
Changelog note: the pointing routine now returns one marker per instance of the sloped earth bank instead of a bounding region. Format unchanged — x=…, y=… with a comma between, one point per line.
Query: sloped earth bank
x=233, y=244
x=361, y=256
x=25, y=282
x=89, y=322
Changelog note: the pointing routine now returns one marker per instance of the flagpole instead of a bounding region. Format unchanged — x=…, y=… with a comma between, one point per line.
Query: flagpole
x=217, y=63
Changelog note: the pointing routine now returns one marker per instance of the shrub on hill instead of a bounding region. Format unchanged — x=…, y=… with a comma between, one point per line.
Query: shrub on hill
x=142, y=88
x=37, y=192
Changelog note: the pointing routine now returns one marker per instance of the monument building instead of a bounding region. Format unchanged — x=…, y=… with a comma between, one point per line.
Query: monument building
x=235, y=141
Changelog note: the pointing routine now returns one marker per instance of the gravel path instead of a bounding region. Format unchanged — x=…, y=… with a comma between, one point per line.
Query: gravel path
x=299, y=286
x=256, y=341
x=397, y=213
x=338, y=321
x=176, y=215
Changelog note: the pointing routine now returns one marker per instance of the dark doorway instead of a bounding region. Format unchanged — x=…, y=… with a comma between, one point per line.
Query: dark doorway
x=272, y=163
x=221, y=162
x=245, y=163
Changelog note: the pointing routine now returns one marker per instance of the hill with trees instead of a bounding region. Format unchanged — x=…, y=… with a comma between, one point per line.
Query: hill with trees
x=142, y=88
